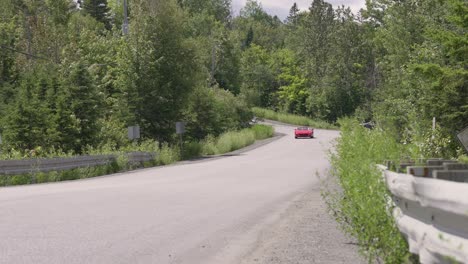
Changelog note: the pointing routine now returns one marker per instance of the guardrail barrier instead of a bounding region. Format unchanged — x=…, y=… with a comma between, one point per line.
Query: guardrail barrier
x=431, y=209
x=14, y=167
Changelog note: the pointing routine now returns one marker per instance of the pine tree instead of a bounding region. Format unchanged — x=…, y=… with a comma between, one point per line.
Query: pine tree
x=293, y=15
x=249, y=38
x=77, y=109
x=99, y=9
x=30, y=122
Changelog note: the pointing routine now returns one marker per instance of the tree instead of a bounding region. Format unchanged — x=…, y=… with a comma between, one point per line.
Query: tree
x=259, y=27
x=219, y=9
x=257, y=76
x=30, y=122
x=165, y=68
x=292, y=86
x=248, y=39
x=77, y=109
x=318, y=28
x=98, y=9
x=292, y=18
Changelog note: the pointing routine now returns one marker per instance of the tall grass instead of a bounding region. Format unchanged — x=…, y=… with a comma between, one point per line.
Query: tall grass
x=263, y=132
x=362, y=207
x=235, y=140
x=291, y=119
x=166, y=154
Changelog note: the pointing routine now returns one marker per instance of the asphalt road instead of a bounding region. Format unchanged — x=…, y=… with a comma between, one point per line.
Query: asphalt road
x=260, y=206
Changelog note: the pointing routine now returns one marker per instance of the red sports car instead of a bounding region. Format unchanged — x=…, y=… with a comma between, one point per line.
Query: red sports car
x=304, y=132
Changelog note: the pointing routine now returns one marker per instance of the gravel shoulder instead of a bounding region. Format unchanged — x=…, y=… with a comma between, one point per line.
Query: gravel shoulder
x=304, y=233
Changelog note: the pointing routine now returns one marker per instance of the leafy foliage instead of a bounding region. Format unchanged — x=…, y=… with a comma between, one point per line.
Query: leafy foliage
x=98, y=9
x=362, y=205
x=291, y=119
x=70, y=81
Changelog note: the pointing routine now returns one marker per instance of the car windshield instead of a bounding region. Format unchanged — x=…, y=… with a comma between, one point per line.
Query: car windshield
x=302, y=128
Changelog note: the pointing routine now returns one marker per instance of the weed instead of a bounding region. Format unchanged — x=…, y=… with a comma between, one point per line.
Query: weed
x=292, y=119
x=362, y=204
x=167, y=154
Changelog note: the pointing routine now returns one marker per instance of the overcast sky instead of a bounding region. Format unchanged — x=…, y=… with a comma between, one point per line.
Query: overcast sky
x=281, y=7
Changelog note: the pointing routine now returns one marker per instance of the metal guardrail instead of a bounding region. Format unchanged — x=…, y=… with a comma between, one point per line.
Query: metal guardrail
x=431, y=209
x=14, y=167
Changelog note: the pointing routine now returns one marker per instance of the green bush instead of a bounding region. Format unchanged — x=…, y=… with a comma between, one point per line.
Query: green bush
x=69, y=175
x=191, y=150
x=20, y=179
x=362, y=206
x=42, y=177
x=4, y=180
x=53, y=176
x=209, y=146
x=463, y=159
x=168, y=155
x=291, y=119
x=121, y=163
x=213, y=112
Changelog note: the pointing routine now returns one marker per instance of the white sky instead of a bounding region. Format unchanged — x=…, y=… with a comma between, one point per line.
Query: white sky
x=281, y=7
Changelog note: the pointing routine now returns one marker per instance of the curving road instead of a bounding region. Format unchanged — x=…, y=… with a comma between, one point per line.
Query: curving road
x=259, y=206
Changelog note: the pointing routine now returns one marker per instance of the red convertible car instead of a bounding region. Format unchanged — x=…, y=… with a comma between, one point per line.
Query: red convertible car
x=304, y=132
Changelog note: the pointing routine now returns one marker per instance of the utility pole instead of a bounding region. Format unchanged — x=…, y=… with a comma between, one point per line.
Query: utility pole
x=125, y=22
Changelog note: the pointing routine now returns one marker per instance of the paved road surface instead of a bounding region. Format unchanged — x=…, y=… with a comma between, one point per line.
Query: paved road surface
x=261, y=206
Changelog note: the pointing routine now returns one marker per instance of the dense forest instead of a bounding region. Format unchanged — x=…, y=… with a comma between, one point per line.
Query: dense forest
x=71, y=79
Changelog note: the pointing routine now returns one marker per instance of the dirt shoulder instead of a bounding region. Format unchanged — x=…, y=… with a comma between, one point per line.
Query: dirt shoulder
x=304, y=234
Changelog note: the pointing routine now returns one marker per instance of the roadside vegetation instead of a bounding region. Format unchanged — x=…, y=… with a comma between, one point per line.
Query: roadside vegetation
x=80, y=86
x=165, y=155
x=292, y=119
x=71, y=82
x=361, y=204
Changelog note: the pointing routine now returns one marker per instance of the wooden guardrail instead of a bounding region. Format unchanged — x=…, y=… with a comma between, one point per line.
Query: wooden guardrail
x=431, y=209
x=14, y=167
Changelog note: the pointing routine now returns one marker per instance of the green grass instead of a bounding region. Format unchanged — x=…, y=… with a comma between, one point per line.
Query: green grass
x=56, y=176
x=263, y=132
x=235, y=140
x=167, y=154
x=361, y=205
x=291, y=119
x=463, y=159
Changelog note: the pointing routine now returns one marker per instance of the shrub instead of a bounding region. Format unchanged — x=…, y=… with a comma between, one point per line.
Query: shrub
x=191, y=150
x=167, y=155
x=215, y=111
x=362, y=205
x=20, y=179
x=42, y=177
x=263, y=132
x=121, y=163
x=69, y=175
x=209, y=146
x=463, y=159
